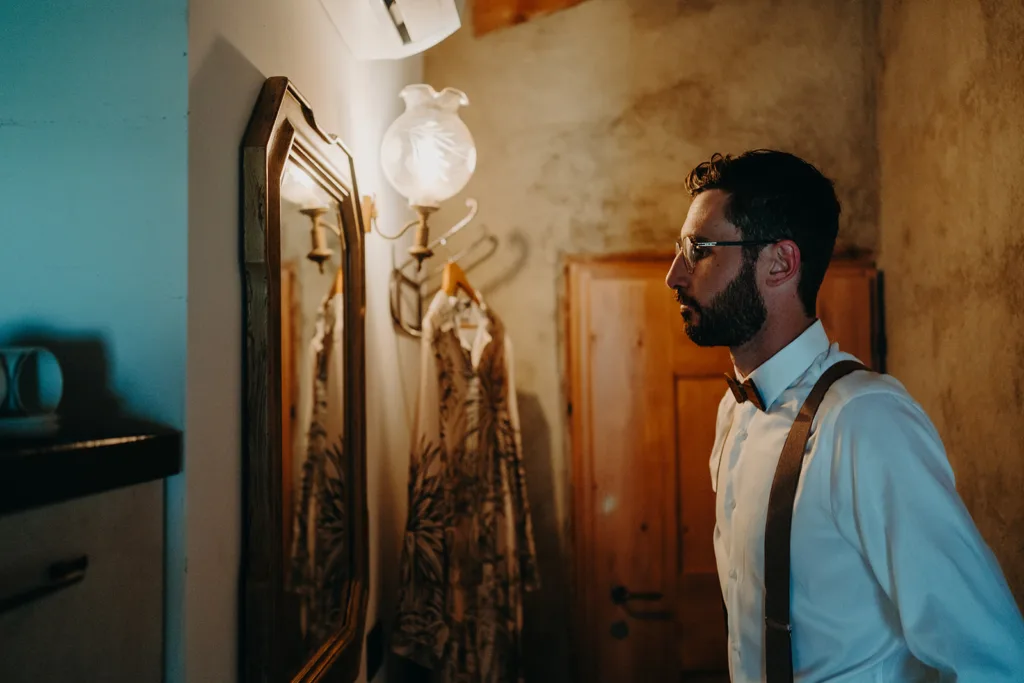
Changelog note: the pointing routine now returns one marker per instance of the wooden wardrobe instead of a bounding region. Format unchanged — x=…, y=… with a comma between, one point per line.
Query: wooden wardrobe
x=641, y=405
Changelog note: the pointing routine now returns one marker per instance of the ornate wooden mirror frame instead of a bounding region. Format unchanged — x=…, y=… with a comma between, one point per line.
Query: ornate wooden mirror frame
x=283, y=131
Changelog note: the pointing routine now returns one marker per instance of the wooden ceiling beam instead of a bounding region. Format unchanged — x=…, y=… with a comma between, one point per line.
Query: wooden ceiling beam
x=491, y=15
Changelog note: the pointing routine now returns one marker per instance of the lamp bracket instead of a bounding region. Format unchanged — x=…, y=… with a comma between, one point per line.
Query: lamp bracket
x=401, y=277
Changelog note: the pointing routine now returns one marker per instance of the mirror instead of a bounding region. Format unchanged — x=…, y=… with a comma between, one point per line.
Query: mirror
x=305, y=555
x=314, y=464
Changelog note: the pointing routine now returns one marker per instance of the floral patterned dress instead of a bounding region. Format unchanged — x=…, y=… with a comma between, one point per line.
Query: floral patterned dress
x=468, y=551
x=320, y=553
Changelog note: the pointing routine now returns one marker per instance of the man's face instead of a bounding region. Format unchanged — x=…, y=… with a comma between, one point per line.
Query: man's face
x=719, y=301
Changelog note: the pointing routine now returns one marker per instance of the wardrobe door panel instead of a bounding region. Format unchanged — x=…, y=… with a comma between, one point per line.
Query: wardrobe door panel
x=849, y=306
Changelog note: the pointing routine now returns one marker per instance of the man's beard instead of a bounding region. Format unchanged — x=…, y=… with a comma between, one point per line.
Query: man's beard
x=733, y=316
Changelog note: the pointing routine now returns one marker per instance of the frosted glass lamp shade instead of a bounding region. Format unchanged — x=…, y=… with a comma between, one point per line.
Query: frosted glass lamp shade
x=427, y=153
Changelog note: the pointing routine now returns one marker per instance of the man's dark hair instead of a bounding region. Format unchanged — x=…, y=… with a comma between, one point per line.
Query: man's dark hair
x=773, y=196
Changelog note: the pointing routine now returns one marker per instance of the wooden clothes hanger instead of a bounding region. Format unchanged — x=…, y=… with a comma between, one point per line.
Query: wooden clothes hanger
x=338, y=286
x=453, y=278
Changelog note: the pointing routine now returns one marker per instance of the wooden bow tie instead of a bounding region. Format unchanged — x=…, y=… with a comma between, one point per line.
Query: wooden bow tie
x=745, y=391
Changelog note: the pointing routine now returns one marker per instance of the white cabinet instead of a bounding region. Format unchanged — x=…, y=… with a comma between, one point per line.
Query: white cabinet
x=107, y=628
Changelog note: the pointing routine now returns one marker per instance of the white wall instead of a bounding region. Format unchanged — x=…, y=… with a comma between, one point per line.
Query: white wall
x=233, y=46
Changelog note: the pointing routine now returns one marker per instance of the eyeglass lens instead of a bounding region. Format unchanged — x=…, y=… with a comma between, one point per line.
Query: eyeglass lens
x=686, y=247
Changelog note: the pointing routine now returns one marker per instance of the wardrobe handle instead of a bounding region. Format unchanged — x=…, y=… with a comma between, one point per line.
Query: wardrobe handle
x=621, y=595
x=60, y=575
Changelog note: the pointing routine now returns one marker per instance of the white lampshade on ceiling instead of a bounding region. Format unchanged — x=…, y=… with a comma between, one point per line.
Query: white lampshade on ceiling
x=427, y=153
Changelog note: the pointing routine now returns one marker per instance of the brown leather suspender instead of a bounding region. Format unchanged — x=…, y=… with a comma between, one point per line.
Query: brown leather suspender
x=778, y=630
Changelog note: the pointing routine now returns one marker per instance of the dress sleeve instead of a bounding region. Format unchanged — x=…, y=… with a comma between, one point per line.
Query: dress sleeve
x=420, y=630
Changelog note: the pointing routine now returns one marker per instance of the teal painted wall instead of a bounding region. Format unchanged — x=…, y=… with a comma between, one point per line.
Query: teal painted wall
x=93, y=178
x=93, y=206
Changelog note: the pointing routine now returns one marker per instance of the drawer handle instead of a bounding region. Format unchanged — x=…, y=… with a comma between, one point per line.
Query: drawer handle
x=60, y=575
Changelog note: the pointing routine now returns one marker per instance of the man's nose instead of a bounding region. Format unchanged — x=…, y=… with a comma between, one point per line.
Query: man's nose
x=678, y=275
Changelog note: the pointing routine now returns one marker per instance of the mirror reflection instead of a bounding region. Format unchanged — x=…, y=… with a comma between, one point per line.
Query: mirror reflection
x=315, y=469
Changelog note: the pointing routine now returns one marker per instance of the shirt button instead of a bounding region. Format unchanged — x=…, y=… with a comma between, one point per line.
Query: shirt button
x=732, y=504
x=732, y=573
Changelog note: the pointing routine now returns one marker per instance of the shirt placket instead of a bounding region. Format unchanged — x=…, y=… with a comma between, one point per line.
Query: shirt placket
x=733, y=455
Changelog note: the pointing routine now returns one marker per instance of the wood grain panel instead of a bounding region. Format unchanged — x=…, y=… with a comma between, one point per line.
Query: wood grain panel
x=632, y=467
x=702, y=625
x=491, y=15
x=848, y=306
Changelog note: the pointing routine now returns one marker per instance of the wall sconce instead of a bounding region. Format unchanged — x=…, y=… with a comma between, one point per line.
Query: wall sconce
x=428, y=156
x=320, y=253
x=301, y=189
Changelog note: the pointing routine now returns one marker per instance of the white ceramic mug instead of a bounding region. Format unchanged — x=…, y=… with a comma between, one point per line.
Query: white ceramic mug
x=31, y=381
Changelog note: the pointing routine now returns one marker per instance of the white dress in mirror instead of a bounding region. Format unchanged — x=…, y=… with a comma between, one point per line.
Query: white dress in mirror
x=320, y=537
x=315, y=470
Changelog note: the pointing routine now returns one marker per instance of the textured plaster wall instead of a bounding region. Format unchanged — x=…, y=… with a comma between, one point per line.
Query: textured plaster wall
x=951, y=141
x=586, y=123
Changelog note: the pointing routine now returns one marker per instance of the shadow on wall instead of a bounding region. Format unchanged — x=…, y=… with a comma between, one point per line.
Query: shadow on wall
x=84, y=365
x=546, y=611
x=515, y=251
x=221, y=95
x=489, y=271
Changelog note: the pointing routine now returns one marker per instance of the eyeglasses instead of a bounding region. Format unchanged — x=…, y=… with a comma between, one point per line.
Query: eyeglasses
x=693, y=250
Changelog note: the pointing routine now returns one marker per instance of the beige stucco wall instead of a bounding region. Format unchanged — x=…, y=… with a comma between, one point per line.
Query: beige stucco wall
x=587, y=122
x=951, y=141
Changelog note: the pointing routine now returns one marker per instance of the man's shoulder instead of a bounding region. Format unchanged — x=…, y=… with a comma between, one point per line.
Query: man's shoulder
x=882, y=426
x=867, y=388
x=876, y=402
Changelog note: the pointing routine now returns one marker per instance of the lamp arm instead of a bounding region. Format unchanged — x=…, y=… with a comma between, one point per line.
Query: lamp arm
x=425, y=250
x=405, y=229
x=471, y=203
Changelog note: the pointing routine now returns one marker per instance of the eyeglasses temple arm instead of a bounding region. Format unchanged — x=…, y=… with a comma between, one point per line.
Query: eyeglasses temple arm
x=740, y=243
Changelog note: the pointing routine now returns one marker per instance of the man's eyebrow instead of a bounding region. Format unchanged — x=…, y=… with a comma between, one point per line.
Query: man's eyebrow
x=697, y=237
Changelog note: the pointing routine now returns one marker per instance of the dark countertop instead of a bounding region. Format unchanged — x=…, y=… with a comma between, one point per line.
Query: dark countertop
x=83, y=458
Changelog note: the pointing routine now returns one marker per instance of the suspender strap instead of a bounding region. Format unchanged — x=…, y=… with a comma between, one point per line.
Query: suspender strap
x=778, y=631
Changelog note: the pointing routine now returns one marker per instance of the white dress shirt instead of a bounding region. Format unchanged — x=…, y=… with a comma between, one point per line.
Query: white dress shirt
x=890, y=580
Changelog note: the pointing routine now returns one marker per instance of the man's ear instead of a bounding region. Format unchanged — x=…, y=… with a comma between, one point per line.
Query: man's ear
x=783, y=262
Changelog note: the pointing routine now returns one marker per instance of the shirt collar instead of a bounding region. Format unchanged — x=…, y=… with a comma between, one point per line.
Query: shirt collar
x=780, y=371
